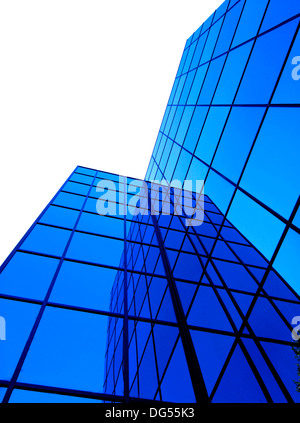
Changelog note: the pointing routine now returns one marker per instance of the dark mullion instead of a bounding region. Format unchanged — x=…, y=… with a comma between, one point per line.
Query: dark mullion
x=188, y=346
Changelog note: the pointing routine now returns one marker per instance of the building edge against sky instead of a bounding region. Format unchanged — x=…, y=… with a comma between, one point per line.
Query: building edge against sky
x=232, y=120
x=159, y=276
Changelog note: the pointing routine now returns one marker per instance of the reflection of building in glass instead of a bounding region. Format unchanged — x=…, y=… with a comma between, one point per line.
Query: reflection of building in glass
x=126, y=307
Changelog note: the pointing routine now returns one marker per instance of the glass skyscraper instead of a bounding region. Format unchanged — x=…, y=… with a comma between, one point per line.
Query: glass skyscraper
x=136, y=304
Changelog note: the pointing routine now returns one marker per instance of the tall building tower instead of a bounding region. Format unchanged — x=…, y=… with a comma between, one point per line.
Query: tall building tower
x=115, y=296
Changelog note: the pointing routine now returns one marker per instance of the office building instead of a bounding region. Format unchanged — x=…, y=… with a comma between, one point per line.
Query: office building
x=137, y=304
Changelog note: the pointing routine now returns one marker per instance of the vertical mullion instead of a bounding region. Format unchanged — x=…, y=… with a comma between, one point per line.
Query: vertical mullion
x=197, y=380
x=125, y=321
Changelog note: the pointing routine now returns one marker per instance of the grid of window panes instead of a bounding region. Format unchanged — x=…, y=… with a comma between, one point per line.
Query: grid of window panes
x=134, y=306
x=237, y=311
x=232, y=120
x=55, y=297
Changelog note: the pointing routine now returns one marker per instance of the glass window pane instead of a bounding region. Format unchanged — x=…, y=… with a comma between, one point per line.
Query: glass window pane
x=46, y=240
x=103, y=225
x=232, y=74
x=28, y=275
x=232, y=153
x=288, y=89
x=272, y=173
x=96, y=249
x=84, y=286
x=287, y=260
x=69, y=200
x=76, y=188
x=211, y=133
x=265, y=65
x=68, y=351
x=60, y=216
x=250, y=21
x=278, y=12
x=258, y=225
x=19, y=320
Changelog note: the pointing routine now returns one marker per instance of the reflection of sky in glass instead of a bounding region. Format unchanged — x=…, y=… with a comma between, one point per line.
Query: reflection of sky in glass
x=67, y=351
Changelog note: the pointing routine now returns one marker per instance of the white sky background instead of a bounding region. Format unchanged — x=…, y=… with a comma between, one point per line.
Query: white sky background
x=82, y=83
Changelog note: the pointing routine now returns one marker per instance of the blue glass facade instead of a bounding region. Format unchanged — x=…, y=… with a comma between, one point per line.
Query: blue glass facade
x=135, y=305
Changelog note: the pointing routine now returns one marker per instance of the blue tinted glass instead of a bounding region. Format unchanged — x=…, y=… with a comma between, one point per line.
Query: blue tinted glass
x=164, y=338
x=28, y=275
x=274, y=286
x=258, y=225
x=165, y=155
x=207, y=311
x=187, y=86
x=182, y=61
x=248, y=254
x=83, y=285
x=288, y=89
x=2, y=393
x=228, y=29
x=60, y=216
x=19, y=319
x=211, y=80
x=22, y=396
x=208, y=22
x=198, y=51
x=271, y=325
x=76, y=188
x=195, y=128
x=278, y=12
x=197, y=170
x=172, y=160
x=272, y=173
x=188, y=267
x=211, y=133
x=103, y=225
x=222, y=251
x=197, y=84
x=76, y=177
x=212, y=350
x=211, y=41
x=186, y=293
x=265, y=65
x=68, y=350
x=171, y=98
x=231, y=75
x=232, y=388
x=283, y=359
x=97, y=249
x=85, y=170
x=175, y=122
x=219, y=190
x=47, y=240
x=69, y=200
x=230, y=234
x=221, y=10
x=182, y=166
x=184, y=123
x=236, y=141
x=166, y=311
x=250, y=21
x=296, y=220
x=189, y=58
x=176, y=385
x=287, y=260
x=147, y=373
x=179, y=89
